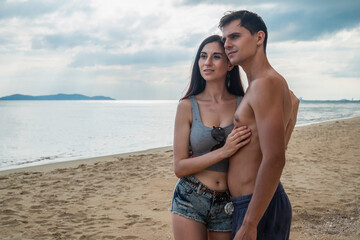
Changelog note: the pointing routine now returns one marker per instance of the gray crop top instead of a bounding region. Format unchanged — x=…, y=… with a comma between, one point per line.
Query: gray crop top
x=201, y=140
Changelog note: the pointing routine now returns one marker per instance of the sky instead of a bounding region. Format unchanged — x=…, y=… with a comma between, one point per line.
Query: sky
x=142, y=49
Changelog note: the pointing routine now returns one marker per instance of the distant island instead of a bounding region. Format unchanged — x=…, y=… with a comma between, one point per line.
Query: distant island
x=329, y=101
x=59, y=97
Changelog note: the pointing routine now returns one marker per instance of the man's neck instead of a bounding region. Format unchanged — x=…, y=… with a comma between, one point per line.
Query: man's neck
x=256, y=67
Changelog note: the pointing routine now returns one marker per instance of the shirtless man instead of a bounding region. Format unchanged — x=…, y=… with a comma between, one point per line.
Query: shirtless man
x=262, y=209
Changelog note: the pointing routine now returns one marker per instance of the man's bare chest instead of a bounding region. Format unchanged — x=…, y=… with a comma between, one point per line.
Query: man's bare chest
x=244, y=114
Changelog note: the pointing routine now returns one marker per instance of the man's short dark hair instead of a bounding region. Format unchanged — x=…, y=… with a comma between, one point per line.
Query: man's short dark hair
x=249, y=20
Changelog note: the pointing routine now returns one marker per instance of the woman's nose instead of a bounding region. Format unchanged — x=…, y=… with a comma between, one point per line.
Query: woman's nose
x=208, y=61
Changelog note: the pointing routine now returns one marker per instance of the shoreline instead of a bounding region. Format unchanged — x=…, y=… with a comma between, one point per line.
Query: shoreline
x=48, y=166
x=127, y=196
x=325, y=121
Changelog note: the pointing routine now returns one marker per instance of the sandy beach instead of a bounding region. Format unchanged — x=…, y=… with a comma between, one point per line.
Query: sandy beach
x=127, y=196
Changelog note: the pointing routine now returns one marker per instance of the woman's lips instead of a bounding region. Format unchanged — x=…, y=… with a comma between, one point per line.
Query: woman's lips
x=208, y=71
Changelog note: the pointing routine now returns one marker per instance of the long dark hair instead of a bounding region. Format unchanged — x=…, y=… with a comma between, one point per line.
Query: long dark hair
x=197, y=82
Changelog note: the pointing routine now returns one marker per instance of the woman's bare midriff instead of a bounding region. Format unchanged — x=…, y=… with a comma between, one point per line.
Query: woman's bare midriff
x=215, y=180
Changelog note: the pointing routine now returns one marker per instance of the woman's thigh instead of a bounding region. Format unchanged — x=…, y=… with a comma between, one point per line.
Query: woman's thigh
x=219, y=235
x=184, y=228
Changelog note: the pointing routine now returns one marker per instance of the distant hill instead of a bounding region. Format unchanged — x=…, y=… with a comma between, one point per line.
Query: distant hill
x=54, y=97
x=329, y=101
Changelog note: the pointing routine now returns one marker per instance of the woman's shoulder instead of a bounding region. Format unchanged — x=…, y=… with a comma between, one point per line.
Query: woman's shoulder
x=184, y=104
x=184, y=110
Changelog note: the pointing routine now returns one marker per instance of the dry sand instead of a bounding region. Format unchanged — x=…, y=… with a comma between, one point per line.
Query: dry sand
x=128, y=196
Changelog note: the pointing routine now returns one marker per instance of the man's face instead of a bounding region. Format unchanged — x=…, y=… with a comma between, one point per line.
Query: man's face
x=239, y=44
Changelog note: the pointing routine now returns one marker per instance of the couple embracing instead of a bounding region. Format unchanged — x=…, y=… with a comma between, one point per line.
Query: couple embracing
x=229, y=187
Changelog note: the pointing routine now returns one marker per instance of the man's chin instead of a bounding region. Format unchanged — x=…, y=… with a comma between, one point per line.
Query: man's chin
x=233, y=61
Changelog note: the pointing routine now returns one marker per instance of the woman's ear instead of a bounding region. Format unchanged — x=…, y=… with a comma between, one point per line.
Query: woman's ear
x=230, y=66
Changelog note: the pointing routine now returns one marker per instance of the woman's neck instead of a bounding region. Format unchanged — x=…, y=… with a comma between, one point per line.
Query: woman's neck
x=215, y=91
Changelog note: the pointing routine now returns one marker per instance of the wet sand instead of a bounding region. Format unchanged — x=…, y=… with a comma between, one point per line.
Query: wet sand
x=127, y=196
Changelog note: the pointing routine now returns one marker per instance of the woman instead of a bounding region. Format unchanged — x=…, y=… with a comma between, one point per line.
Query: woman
x=204, y=126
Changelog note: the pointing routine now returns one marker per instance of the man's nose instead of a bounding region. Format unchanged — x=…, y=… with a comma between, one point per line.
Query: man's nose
x=227, y=44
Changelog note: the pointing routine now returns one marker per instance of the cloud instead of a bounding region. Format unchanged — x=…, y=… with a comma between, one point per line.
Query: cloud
x=298, y=20
x=348, y=69
x=61, y=40
x=320, y=69
x=145, y=48
x=192, y=40
x=36, y=8
x=4, y=40
x=128, y=31
x=312, y=22
x=150, y=57
x=27, y=9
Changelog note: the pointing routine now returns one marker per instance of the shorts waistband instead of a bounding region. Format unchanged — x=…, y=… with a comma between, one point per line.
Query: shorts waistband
x=203, y=188
x=243, y=201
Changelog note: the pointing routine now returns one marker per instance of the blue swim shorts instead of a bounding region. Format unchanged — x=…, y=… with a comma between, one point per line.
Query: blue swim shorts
x=276, y=222
x=195, y=201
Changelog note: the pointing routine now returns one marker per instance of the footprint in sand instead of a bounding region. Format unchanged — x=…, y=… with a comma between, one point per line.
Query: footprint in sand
x=128, y=237
x=12, y=222
x=130, y=223
x=3, y=178
x=8, y=212
x=149, y=222
x=134, y=218
x=108, y=237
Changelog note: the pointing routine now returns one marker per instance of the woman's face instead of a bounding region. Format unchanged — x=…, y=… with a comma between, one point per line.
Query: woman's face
x=213, y=63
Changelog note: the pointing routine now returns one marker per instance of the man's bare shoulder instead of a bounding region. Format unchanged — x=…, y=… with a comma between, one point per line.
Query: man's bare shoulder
x=267, y=85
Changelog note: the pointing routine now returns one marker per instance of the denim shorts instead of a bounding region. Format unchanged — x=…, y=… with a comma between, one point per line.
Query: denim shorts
x=194, y=203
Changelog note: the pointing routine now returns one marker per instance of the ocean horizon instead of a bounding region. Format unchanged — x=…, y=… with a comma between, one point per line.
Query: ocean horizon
x=42, y=132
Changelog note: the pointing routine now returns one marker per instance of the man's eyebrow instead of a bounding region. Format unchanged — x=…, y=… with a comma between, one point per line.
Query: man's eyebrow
x=233, y=34
x=230, y=35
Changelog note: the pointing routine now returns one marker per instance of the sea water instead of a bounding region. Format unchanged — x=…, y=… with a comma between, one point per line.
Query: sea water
x=39, y=132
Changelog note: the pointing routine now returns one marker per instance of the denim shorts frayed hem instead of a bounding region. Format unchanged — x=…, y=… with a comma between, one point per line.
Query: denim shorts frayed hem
x=196, y=220
x=188, y=217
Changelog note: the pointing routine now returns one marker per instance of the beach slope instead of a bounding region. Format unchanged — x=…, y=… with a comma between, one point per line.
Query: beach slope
x=127, y=196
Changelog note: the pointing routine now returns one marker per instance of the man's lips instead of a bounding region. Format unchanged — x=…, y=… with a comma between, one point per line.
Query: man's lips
x=231, y=53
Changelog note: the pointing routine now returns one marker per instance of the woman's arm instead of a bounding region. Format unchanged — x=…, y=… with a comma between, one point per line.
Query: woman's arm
x=183, y=163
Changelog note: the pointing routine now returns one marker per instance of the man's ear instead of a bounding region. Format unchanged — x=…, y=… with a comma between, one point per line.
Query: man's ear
x=260, y=37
